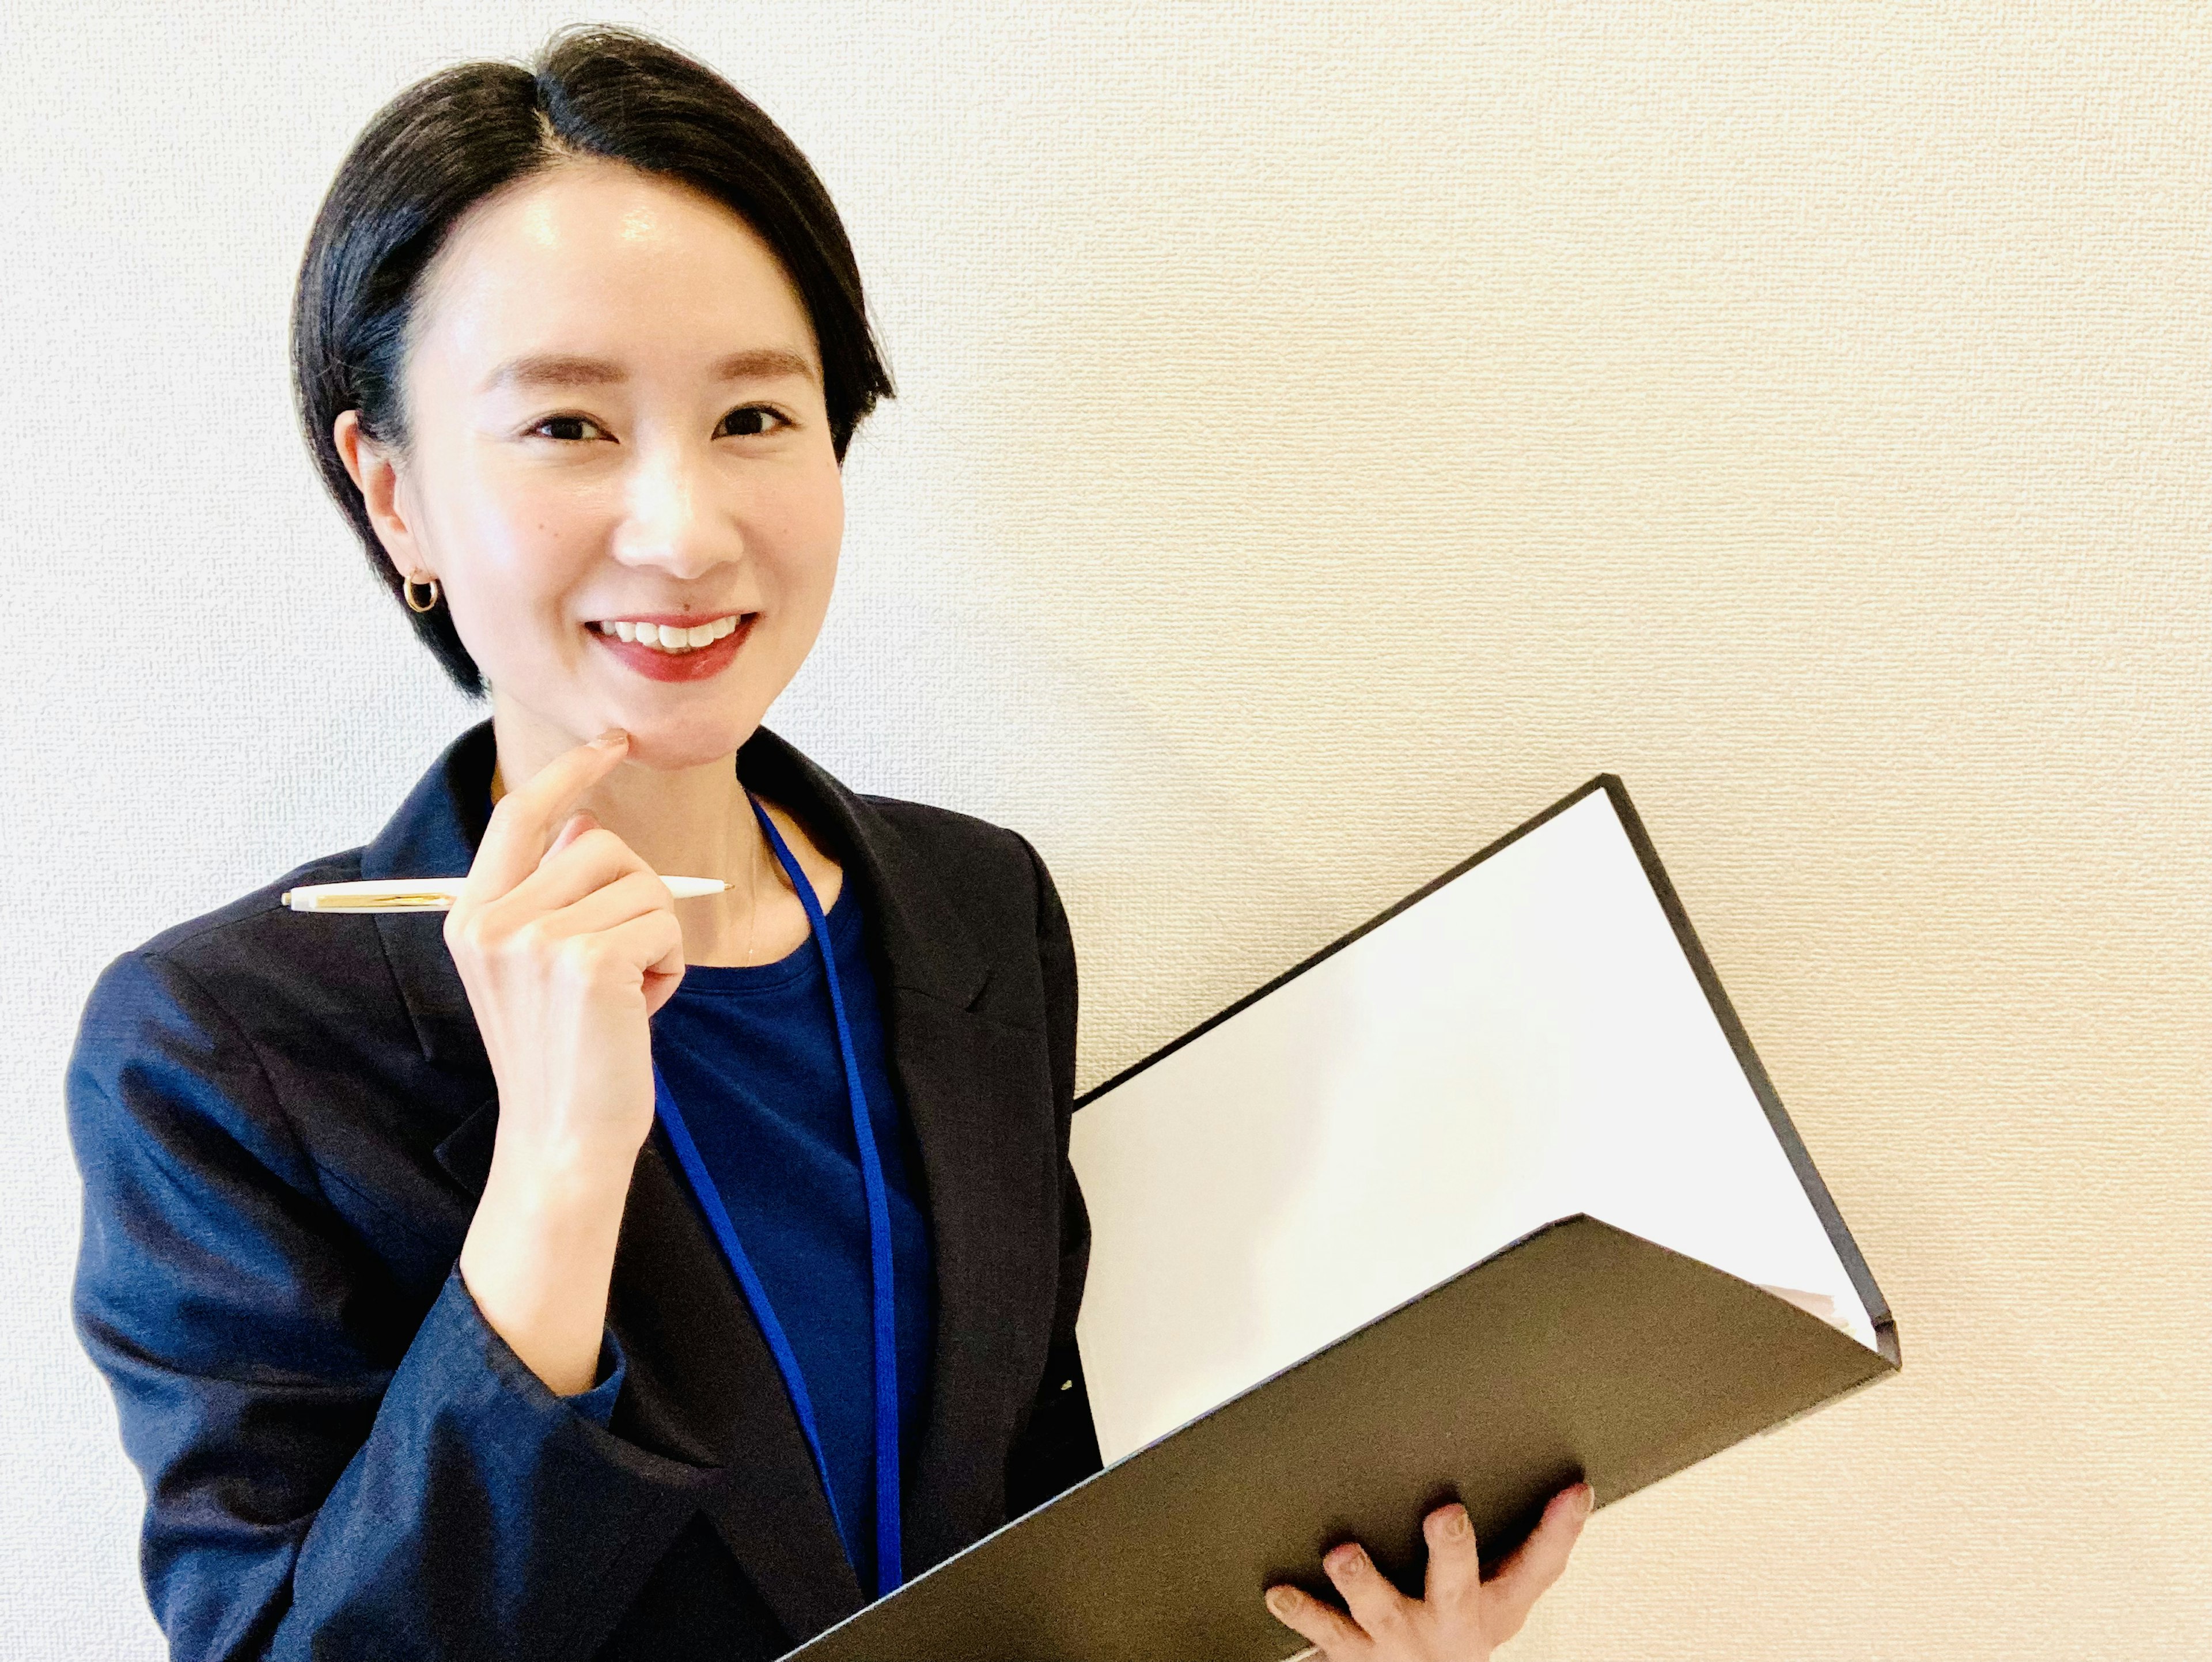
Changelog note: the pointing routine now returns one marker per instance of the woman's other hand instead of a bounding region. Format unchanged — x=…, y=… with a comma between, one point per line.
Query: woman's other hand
x=1459, y=1618
x=565, y=945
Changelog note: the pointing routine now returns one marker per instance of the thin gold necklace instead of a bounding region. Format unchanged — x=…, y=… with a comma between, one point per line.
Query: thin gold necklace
x=752, y=887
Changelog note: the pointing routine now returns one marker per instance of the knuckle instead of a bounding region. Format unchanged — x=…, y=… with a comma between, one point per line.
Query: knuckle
x=1393, y=1615
x=465, y=931
x=606, y=845
x=645, y=891
x=1356, y=1577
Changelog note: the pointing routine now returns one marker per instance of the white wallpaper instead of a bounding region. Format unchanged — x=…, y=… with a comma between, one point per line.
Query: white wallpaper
x=1324, y=437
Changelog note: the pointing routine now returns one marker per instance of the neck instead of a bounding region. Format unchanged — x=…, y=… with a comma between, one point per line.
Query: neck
x=694, y=820
x=688, y=821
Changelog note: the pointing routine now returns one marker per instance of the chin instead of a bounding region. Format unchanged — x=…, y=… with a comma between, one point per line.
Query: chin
x=688, y=739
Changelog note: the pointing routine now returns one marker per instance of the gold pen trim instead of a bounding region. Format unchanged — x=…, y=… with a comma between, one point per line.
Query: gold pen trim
x=375, y=902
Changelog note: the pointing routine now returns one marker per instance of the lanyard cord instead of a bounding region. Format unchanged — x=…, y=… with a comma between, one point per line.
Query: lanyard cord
x=888, y=1551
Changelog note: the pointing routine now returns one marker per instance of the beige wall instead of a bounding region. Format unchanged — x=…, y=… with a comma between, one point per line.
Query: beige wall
x=1326, y=436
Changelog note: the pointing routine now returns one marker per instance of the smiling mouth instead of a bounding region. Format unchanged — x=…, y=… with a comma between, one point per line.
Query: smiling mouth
x=670, y=638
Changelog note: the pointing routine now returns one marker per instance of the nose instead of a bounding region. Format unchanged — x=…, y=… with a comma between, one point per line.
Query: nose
x=673, y=518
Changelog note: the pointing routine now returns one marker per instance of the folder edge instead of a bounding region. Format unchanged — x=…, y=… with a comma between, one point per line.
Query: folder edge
x=1879, y=1366
x=1778, y=1117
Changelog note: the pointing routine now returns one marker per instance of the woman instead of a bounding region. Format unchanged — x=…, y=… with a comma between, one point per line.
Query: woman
x=589, y=1273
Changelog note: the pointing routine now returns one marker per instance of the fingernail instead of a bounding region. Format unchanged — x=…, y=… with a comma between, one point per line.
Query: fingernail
x=1457, y=1522
x=612, y=737
x=1588, y=1503
x=1350, y=1555
x=1281, y=1600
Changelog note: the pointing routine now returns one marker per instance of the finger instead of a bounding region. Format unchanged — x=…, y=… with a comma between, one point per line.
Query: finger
x=1378, y=1607
x=660, y=986
x=566, y=875
x=658, y=941
x=522, y=821
x=1455, y=1572
x=655, y=943
x=577, y=824
x=631, y=895
x=1316, y=1623
x=1539, y=1560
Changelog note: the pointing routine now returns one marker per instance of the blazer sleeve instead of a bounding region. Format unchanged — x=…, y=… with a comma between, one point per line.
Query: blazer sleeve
x=1058, y=1446
x=319, y=1480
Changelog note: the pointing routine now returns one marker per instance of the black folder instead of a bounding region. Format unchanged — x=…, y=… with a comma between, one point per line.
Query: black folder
x=1580, y=1350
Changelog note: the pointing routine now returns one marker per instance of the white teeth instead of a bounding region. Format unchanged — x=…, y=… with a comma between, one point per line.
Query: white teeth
x=668, y=638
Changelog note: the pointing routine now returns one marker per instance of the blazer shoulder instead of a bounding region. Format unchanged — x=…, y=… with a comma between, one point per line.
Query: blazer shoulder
x=992, y=872
x=999, y=892
x=247, y=968
x=927, y=825
x=253, y=919
x=169, y=1038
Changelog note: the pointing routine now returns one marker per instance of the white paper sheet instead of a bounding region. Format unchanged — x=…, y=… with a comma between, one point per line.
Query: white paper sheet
x=1526, y=1042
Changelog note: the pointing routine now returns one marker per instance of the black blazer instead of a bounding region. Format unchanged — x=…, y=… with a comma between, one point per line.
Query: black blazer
x=284, y=1121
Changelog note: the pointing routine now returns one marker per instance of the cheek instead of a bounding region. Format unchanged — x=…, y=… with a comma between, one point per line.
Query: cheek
x=517, y=551
x=809, y=532
x=525, y=520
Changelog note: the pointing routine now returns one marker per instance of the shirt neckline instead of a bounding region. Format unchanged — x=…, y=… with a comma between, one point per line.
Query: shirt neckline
x=803, y=962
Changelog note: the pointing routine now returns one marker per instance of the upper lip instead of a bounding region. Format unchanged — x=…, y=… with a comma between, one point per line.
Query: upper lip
x=674, y=619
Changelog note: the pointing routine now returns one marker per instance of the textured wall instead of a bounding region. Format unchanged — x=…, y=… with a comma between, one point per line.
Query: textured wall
x=1325, y=437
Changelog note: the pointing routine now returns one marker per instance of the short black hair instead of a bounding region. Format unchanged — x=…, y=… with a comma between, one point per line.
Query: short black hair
x=454, y=137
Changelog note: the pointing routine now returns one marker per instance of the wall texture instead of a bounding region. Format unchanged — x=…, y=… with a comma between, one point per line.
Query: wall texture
x=1326, y=436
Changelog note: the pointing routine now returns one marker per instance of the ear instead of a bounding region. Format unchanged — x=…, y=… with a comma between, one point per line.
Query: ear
x=376, y=476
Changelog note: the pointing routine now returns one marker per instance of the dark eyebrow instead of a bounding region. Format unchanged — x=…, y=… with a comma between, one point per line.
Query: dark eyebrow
x=551, y=369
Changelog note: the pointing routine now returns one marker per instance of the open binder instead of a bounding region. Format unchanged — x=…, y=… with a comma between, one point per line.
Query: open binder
x=1490, y=1194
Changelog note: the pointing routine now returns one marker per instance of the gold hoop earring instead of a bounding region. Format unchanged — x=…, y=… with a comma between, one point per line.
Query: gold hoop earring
x=407, y=594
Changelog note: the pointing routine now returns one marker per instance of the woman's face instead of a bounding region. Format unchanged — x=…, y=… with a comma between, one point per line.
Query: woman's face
x=616, y=416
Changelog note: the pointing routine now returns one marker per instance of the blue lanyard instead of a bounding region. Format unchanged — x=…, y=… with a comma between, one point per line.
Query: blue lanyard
x=888, y=1556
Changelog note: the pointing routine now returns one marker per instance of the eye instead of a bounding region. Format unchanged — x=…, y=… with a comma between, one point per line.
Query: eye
x=743, y=423
x=567, y=427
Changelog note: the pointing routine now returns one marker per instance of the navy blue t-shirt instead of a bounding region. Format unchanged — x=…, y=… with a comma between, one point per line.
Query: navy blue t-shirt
x=750, y=1052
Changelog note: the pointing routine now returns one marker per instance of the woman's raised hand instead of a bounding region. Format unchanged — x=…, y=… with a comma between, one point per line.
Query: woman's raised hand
x=565, y=945
x=1459, y=1618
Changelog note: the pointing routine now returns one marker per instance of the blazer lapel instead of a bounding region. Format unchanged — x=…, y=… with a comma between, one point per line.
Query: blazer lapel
x=435, y=833
x=971, y=1087
x=703, y=1384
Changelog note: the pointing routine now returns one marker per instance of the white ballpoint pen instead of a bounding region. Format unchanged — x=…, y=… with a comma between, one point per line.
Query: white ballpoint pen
x=430, y=894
